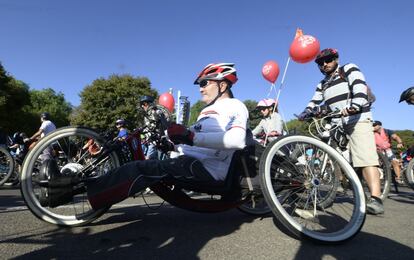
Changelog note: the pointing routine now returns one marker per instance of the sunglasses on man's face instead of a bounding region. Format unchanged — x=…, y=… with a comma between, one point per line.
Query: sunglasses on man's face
x=325, y=60
x=203, y=83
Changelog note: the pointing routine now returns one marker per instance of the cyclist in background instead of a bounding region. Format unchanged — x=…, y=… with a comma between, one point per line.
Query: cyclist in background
x=122, y=131
x=408, y=96
x=46, y=127
x=350, y=96
x=383, y=139
x=271, y=126
x=154, y=128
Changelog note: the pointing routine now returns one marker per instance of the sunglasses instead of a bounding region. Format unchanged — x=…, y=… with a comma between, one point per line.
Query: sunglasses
x=204, y=83
x=325, y=60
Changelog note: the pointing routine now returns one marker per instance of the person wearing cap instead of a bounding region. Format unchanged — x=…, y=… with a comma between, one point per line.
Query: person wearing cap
x=407, y=96
x=271, y=125
x=344, y=89
x=122, y=131
x=46, y=127
x=155, y=124
x=383, y=138
x=205, y=149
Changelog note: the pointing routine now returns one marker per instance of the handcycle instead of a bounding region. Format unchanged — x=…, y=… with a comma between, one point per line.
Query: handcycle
x=321, y=127
x=284, y=183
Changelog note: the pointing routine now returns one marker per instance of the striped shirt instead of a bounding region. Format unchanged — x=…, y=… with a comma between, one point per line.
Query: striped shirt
x=334, y=91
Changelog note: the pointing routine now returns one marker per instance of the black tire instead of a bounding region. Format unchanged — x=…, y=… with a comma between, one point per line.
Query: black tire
x=7, y=165
x=68, y=151
x=285, y=182
x=409, y=174
x=385, y=175
x=255, y=205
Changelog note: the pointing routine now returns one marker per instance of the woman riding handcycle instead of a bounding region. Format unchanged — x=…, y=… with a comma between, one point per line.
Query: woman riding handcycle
x=213, y=159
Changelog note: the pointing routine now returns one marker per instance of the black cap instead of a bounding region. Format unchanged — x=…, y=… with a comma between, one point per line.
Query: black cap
x=377, y=123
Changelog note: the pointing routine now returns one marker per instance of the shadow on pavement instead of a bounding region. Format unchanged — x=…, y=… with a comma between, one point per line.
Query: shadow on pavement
x=139, y=234
x=363, y=246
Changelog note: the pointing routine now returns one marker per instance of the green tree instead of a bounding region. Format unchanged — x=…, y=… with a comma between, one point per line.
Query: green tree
x=254, y=115
x=14, y=95
x=195, y=111
x=407, y=137
x=298, y=127
x=47, y=100
x=105, y=100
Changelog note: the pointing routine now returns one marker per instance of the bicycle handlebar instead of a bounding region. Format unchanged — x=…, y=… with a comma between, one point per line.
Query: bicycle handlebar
x=316, y=113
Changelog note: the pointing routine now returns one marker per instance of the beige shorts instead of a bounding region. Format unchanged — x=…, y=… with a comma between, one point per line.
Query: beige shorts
x=362, y=144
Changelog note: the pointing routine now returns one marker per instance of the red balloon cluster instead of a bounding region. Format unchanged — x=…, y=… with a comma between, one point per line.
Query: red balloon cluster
x=304, y=48
x=270, y=71
x=167, y=100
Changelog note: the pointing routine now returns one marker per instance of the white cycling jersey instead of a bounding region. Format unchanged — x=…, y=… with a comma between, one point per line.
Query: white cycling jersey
x=47, y=127
x=219, y=131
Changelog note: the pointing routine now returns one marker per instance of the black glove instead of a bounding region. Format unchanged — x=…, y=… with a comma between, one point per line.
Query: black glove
x=320, y=110
x=304, y=115
x=179, y=134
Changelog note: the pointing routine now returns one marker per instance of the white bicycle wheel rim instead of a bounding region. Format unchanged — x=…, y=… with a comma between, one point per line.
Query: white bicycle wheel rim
x=357, y=218
x=27, y=187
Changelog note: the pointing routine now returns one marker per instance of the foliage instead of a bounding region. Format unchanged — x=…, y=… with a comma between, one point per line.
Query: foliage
x=407, y=137
x=106, y=100
x=254, y=114
x=14, y=95
x=47, y=100
x=298, y=127
x=195, y=111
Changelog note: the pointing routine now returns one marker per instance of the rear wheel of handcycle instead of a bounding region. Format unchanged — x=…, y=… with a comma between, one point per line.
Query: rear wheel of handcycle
x=71, y=148
x=384, y=169
x=294, y=188
x=7, y=165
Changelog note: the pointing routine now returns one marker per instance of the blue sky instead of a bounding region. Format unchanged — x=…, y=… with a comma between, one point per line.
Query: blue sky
x=66, y=45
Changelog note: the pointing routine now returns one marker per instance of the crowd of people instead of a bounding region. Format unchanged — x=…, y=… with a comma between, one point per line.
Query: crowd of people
x=204, y=150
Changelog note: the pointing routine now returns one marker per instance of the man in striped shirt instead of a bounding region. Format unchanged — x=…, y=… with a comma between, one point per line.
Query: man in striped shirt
x=344, y=89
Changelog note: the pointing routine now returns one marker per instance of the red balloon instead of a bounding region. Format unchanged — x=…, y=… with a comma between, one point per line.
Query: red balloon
x=304, y=48
x=270, y=71
x=167, y=100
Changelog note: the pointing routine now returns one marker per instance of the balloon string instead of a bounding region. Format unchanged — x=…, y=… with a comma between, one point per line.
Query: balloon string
x=278, y=94
x=272, y=86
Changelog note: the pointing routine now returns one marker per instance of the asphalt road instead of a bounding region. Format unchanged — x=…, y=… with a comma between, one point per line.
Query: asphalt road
x=131, y=230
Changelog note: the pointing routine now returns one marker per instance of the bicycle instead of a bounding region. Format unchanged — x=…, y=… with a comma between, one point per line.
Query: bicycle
x=335, y=136
x=407, y=171
x=11, y=160
x=89, y=162
x=7, y=165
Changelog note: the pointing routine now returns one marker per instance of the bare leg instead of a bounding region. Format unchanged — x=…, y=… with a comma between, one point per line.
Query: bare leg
x=397, y=170
x=372, y=177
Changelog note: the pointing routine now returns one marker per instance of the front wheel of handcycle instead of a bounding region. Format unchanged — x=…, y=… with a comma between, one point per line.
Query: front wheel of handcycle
x=295, y=183
x=76, y=150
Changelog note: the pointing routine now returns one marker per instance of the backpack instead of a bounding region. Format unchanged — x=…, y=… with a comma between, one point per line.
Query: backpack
x=371, y=96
